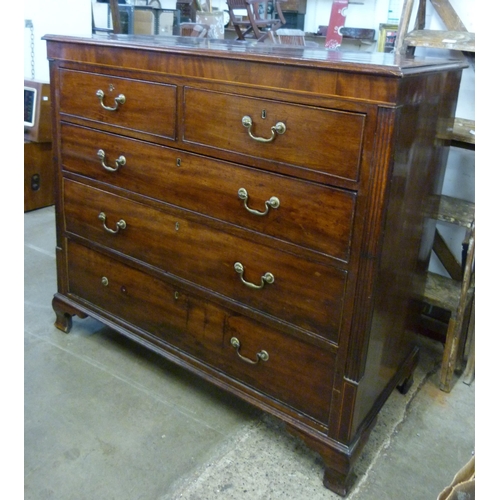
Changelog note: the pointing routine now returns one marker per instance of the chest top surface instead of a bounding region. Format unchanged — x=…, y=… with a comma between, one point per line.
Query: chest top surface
x=244, y=51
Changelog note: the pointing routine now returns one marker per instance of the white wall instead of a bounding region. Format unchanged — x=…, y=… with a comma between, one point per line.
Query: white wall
x=61, y=17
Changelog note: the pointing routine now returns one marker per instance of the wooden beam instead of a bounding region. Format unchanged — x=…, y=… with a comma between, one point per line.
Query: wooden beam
x=448, y=15
x=404, y=24
x=115, y=16
x=445, y=255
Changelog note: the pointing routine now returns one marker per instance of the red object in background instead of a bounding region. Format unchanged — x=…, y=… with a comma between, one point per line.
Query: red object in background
x=337, y=21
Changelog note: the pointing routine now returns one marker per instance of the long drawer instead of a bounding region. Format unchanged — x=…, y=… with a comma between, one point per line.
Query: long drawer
x=121, y=102
x=307, y=214
x=294, y=372
x=318, y=139
x=302, y=292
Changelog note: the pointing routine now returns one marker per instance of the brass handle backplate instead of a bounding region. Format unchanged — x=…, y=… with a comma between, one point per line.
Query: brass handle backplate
x=118, y=100
x=121, y=224
x=119, y=162
x=279, y=128
x=273, y=202
x=261, y=356
x=266, y=278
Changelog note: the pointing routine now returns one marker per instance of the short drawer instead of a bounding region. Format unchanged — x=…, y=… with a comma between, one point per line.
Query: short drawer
x=303, y=292
x=311, y=215
x=148, y=303
x=293, y=371
x=125, y=103
x=323, y=140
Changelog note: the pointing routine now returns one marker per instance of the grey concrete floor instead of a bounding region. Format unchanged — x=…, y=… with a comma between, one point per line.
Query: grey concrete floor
x=106, y=419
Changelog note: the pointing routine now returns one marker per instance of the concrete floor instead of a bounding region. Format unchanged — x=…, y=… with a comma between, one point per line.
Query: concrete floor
x=106, y=419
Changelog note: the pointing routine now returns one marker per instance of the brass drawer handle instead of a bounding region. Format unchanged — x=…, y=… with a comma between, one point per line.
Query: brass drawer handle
x=267, y=278
x=279, y=128
x=119, y=162
x=118, y=100
x=261, y=356
x=121, y=224
x=273, y=202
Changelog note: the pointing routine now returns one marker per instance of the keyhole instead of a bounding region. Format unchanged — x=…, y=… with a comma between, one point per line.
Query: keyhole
x=263, y=114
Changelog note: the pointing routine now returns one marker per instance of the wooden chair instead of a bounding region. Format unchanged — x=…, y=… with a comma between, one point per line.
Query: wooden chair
x=256, y=24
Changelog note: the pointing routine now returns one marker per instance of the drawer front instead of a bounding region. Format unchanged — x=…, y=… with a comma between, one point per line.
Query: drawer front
x=148, y=107
x=318, y=139
x=304, y=293
x=205, y=331
x=297, y=373
x=313, y=216
x=162, y=310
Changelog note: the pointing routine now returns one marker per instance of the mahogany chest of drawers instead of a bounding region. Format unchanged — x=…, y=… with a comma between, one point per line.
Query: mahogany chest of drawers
x=254, y=213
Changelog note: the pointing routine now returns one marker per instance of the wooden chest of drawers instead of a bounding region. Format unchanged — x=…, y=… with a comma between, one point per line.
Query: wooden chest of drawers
x=253, y=213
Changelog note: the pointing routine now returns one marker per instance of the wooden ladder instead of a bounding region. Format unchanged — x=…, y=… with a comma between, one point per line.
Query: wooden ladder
x=455, y=295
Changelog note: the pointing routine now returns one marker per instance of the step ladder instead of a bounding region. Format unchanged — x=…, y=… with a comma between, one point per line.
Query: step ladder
x=454, y=294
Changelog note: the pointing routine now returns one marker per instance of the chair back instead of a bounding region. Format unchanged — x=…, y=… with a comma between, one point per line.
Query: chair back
x=236, y=4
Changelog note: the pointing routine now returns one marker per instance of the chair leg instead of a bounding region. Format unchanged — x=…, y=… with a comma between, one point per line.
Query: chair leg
x=239, y=34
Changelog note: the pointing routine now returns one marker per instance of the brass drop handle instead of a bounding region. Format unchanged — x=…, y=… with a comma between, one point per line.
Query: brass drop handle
x=273, y=202
x=119, y=162
x=261, y=356
x=266, y=278
x=279, y=128
x=118, y=100
x=121, y=224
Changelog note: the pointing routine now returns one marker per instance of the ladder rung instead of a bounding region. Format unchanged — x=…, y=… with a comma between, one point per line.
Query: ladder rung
x=464, y=131
x=441, y=291
x=452, y=210
x=452, y=40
